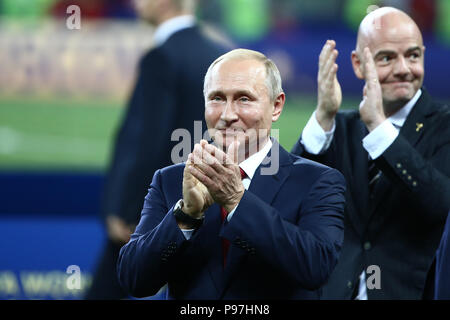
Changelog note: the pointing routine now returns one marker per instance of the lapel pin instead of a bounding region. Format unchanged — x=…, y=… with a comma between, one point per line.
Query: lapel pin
x=419, y=126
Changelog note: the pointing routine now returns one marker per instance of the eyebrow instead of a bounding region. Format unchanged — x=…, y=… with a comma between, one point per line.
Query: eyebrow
x=237, y=93
x=390, y=52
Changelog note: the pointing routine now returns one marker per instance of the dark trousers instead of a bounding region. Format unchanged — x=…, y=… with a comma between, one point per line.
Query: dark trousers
x=105, y=284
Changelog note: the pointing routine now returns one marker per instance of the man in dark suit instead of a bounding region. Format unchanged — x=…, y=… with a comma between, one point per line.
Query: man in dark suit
x=167, y=96
x=394, y=153
x=274, y=234
x=442, y=282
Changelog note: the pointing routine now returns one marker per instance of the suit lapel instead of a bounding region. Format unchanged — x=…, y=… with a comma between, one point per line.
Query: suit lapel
x=271, y=174
x=267, y=181
x=358, y=183
x=416, y=122
x=212, y=245
x=414, y=127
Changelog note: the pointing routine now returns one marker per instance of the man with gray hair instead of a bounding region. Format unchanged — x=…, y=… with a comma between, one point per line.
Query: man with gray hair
x=217, y=226
x=394, y=152
x=167, y=96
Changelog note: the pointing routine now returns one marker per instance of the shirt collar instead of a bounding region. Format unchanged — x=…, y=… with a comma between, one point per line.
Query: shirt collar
x=399, y=118
x=169, y=27
x=252, y=163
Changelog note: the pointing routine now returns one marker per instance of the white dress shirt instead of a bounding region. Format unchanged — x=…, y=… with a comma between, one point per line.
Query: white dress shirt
x=170, y=26
x=317, y=141
x=249, y=166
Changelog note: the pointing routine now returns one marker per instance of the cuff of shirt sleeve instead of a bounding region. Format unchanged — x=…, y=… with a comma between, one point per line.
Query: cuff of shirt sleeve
x=380, y=139
x=314, y=138
x=231, y=213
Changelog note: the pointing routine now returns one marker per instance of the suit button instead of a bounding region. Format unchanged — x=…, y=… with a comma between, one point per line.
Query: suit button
x=349, y=284
x=414, y=184
x=404, y=171
x=409, y=178
x=367, y=245
x=399, y=165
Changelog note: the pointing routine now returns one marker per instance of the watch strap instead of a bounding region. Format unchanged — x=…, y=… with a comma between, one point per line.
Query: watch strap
x=184, y=218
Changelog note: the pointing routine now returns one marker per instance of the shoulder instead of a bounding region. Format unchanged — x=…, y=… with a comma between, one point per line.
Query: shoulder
x=302, y=167
x=172, y=169
x=155, y=57
x=193, y=41
x=169, y=174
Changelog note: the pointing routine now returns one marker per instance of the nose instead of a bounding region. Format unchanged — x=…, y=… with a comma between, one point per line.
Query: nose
x=229, y=113
x=401, y=68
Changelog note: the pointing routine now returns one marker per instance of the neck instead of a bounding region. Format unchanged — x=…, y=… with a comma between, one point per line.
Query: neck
x=253, y=147
x=169, y=15
x=393, y=107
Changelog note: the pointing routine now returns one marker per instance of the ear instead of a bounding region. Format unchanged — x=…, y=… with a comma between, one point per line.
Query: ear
x=357, y=65
x=278, y=105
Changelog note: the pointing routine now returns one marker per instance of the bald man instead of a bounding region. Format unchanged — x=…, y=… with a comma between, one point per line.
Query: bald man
x=394, y=152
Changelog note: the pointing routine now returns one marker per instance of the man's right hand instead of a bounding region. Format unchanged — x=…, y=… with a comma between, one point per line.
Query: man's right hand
x=329, y=90
x=118, y=230
x=196, y=197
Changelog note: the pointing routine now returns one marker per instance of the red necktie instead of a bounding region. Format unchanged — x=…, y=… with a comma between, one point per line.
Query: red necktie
x=224, y=214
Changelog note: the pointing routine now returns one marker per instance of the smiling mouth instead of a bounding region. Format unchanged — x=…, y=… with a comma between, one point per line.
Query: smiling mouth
x=228, y=131
x=401, y=85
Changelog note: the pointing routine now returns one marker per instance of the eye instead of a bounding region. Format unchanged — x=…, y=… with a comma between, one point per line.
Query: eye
x=414, y=56
x=216, y=98
x=385, y=59
x=244, y=99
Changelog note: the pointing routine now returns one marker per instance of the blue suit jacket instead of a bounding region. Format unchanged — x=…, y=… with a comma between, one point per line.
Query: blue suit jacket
x=285, y=236
x=442, y=284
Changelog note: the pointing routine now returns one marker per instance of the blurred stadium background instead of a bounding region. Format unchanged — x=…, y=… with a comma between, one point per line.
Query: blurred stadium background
x=62, y=94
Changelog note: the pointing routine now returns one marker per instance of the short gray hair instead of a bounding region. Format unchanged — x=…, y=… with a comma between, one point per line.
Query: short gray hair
x=273, y=77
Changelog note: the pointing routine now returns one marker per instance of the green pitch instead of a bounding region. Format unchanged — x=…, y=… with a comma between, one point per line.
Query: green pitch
x=59, y=134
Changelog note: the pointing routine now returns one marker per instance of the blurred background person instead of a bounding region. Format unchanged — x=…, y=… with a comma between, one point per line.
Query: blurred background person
x=167, y=96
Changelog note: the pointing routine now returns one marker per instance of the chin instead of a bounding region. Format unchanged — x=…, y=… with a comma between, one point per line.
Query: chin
x=400, y=95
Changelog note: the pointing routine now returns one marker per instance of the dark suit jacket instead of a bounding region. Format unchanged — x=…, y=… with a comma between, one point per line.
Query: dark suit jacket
x=399, y=226
x=442, y=279
x=285, y=237
x=168, y=95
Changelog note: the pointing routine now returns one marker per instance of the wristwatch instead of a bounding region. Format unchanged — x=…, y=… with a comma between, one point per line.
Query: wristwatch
x=184, y=218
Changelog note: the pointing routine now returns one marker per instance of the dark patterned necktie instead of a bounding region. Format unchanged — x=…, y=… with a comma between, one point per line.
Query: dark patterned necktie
x=374, y=175
x=224, y=214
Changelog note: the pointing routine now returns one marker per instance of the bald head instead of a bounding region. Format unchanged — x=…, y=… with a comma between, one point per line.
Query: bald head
x=386, y=23
x=396, y=45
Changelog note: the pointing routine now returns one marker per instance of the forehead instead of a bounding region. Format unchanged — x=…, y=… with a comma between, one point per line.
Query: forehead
x=393, y=35
x=237, y=74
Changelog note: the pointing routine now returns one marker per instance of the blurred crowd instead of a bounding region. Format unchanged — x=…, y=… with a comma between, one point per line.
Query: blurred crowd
x=263, y=15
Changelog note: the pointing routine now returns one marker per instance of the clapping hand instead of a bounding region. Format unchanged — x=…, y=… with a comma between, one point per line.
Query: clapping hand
x=371, y=107
x=329, y=97
x=218, y=172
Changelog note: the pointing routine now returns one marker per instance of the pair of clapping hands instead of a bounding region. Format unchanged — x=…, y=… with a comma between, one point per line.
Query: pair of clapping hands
x=210, y=176
x=330, y=94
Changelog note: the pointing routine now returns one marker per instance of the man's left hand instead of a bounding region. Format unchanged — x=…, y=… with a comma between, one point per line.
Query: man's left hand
x=219, y=172
x=371, y=108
